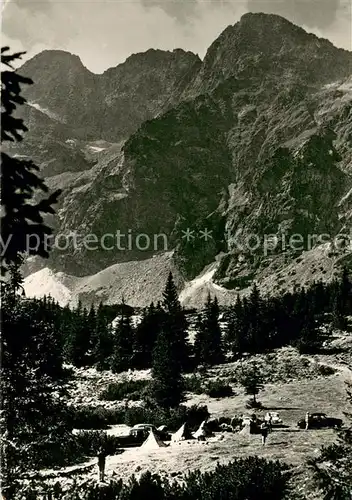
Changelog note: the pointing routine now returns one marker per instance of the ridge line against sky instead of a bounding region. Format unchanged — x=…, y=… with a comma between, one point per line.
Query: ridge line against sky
x=104, y=33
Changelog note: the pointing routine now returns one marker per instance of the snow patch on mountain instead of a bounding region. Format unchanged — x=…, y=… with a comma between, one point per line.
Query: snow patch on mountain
x=137, y=282
x=96, y=149
x=46, y=111
x=46, y=282
x=195, y=292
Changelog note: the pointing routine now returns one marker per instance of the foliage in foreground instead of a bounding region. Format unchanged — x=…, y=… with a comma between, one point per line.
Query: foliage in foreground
x=252, y=478
x=22, y=215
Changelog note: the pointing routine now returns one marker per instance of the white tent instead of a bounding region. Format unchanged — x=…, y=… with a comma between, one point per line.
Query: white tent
x=153, y=442
x=246, y=430
x=182, y=434
x=202, y=431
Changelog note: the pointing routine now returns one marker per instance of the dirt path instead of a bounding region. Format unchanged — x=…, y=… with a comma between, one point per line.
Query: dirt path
x=342, y=366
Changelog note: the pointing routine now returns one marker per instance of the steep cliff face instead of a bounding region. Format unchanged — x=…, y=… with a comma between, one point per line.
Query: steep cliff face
x=255, y=140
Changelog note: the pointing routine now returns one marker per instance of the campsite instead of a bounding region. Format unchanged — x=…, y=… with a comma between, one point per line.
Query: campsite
x=227, y=439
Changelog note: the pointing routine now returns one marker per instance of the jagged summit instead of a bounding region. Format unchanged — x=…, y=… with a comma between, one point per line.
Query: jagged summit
x=157, y=58
x=121, y=98
x=262, y=19
x=158, y=54
x=266, y=27
x=51, y=58
x=269, y=46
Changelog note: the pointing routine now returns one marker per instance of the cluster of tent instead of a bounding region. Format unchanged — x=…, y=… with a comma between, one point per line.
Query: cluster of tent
x=183, y=434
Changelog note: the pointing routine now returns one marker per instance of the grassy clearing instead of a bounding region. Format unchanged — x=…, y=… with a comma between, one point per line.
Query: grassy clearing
x=290, y=444
x=294, y=384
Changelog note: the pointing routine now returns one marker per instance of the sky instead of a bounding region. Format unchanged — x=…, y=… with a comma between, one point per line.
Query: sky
x=105, y=32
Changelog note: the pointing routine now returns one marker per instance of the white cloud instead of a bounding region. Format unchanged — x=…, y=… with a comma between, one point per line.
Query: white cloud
x=105, y=33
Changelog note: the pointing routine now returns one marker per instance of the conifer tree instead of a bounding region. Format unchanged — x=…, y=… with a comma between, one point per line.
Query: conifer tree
x=255, y=334
x=338, y=318
x=308, y=341
x=92, y=317
x=146, y=334
x=341, y=299
x=21, y=216
x=175, y=323
x=209, y=343
x=29, y=412
x=236, y=334
x=198, y=340
x=102, y=344
x=122, y=356
x=79, y=340
x=32, y=411
x=167, y=385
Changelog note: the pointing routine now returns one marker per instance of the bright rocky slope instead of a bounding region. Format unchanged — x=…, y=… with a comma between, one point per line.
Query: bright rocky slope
x=255, y=139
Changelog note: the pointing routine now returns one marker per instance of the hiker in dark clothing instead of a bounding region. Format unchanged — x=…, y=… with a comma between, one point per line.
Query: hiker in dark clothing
x=101, y=462
x=270, y=423
x=264, y=432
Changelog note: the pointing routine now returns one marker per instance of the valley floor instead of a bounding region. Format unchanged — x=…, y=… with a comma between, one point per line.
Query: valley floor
x=289, y=444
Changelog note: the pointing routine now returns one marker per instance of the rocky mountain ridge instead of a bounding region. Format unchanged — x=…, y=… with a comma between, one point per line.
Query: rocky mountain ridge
x=254, y=140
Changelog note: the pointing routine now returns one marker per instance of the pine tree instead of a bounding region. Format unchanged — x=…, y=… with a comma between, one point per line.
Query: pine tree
x=235, y=332
x=32, y=410
x=338, y=319
x=167, y=384
x=299, y=313
x=21, y=216
x=198, y=340
x=92, y=317
x=175, y=323
x=102, y=348
x=256, y=332
x=146, y=334
x=30, y=413
x=342, y=300
x=209, y=341
x=14, y=283
x=122, y=356
x=308, y=341
x=78, y=342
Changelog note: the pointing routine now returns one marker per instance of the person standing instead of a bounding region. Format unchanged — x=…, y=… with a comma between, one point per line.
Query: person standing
x=264, y=432
x=270, y=422
x=101, y=462
x=307, y=420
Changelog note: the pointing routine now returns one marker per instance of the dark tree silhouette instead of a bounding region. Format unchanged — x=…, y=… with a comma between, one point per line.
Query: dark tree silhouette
x=252, y=381
x=29, y=413
x=174, y=323
x=167, y=384
x=209, y=349
x=22, y=212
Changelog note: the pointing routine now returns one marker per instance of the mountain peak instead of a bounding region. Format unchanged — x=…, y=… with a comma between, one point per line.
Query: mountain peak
x=271, y=47
x=156, y=57
x=261, y=18
x=51, y=58
x=267, y=32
